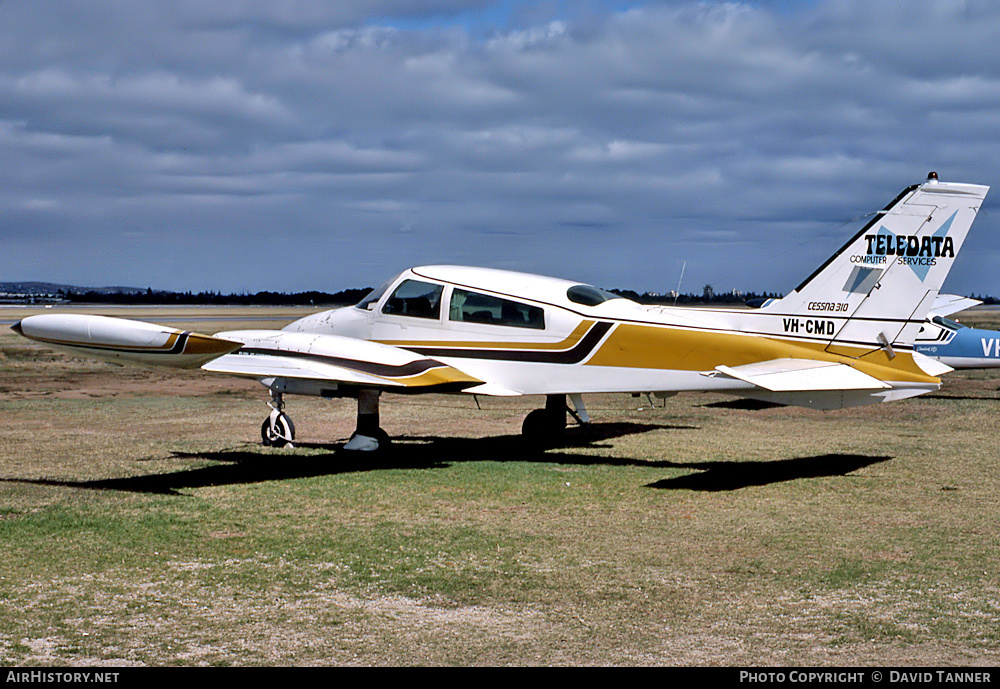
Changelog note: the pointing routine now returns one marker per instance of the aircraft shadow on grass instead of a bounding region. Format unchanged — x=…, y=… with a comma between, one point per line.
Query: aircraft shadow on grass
x=726, y=476
x=253, y=464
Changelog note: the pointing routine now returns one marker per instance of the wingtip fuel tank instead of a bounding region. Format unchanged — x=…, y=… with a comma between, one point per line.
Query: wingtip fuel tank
x=120, y=339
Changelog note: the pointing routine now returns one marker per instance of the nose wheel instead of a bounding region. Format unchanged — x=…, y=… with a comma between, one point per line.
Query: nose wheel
x=277, y=429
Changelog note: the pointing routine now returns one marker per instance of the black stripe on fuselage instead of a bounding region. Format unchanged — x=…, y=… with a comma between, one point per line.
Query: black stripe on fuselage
x=574, y=355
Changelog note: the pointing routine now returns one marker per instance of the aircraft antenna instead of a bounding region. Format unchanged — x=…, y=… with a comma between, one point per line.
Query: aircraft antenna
x=678, y=292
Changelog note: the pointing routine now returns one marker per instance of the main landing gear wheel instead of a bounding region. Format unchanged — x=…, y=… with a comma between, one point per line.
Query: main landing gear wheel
x=546, y=426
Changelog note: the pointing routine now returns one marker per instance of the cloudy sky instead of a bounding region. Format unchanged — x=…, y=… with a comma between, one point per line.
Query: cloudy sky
x=295, y=145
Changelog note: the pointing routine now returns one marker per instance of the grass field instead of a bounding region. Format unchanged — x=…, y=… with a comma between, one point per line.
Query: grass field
x=142, y=523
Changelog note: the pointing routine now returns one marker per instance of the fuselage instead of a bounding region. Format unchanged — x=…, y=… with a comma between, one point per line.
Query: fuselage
x=537, y=335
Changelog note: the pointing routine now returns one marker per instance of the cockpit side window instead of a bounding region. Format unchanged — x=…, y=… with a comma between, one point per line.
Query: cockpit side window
x=415, y=299
x=475, y=307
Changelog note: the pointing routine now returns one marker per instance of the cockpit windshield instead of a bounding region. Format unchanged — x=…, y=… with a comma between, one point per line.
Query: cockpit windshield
x=589, y=295
x=376, y=294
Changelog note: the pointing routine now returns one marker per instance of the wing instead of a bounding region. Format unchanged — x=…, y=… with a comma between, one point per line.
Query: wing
x=336, y=359
x=330, y=361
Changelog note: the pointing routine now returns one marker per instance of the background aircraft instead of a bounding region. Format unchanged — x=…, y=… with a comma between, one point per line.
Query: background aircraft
x=954, y=344
x=843, y=338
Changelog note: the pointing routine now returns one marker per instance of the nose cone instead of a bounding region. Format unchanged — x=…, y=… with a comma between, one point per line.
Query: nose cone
x=17, y=328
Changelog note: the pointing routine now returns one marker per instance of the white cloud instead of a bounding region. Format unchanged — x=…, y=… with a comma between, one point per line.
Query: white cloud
x=628, y=135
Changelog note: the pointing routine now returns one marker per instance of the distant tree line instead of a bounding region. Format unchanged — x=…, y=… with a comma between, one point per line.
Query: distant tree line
x=985, y=299
x=161, y=298
x=708, y=296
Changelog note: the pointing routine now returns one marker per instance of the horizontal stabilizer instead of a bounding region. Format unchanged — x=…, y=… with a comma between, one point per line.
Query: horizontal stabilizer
x=790, y=375
x=947, y=304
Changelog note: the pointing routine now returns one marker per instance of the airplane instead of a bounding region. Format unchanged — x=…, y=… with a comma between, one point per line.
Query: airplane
x=844, y=337
x=954, y=344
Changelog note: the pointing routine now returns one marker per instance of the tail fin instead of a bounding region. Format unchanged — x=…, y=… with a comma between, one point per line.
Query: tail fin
x=877, y=290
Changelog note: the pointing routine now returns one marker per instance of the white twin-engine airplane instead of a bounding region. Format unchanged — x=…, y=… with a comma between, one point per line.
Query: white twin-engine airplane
x=843, y=338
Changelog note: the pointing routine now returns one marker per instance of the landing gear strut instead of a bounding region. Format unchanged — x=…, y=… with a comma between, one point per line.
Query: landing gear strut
x=368, y=437
x=277, y=429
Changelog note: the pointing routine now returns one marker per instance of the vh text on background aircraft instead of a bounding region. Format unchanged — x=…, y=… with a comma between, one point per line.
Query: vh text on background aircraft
x=844, y=337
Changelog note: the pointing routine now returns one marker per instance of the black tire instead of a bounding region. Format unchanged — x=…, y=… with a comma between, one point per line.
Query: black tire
x=281, y=434
x=544, y=427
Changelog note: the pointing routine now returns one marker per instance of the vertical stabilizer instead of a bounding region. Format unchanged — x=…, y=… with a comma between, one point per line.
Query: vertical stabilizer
x=876, y=291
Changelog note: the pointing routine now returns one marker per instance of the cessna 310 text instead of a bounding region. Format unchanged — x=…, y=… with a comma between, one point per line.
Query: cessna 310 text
x=844, y=337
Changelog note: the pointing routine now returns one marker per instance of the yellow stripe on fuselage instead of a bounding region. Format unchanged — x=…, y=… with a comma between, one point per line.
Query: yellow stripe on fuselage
x=659, y=347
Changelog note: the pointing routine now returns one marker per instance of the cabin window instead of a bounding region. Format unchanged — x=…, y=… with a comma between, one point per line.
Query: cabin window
x=415, y=299
x=474, y=307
